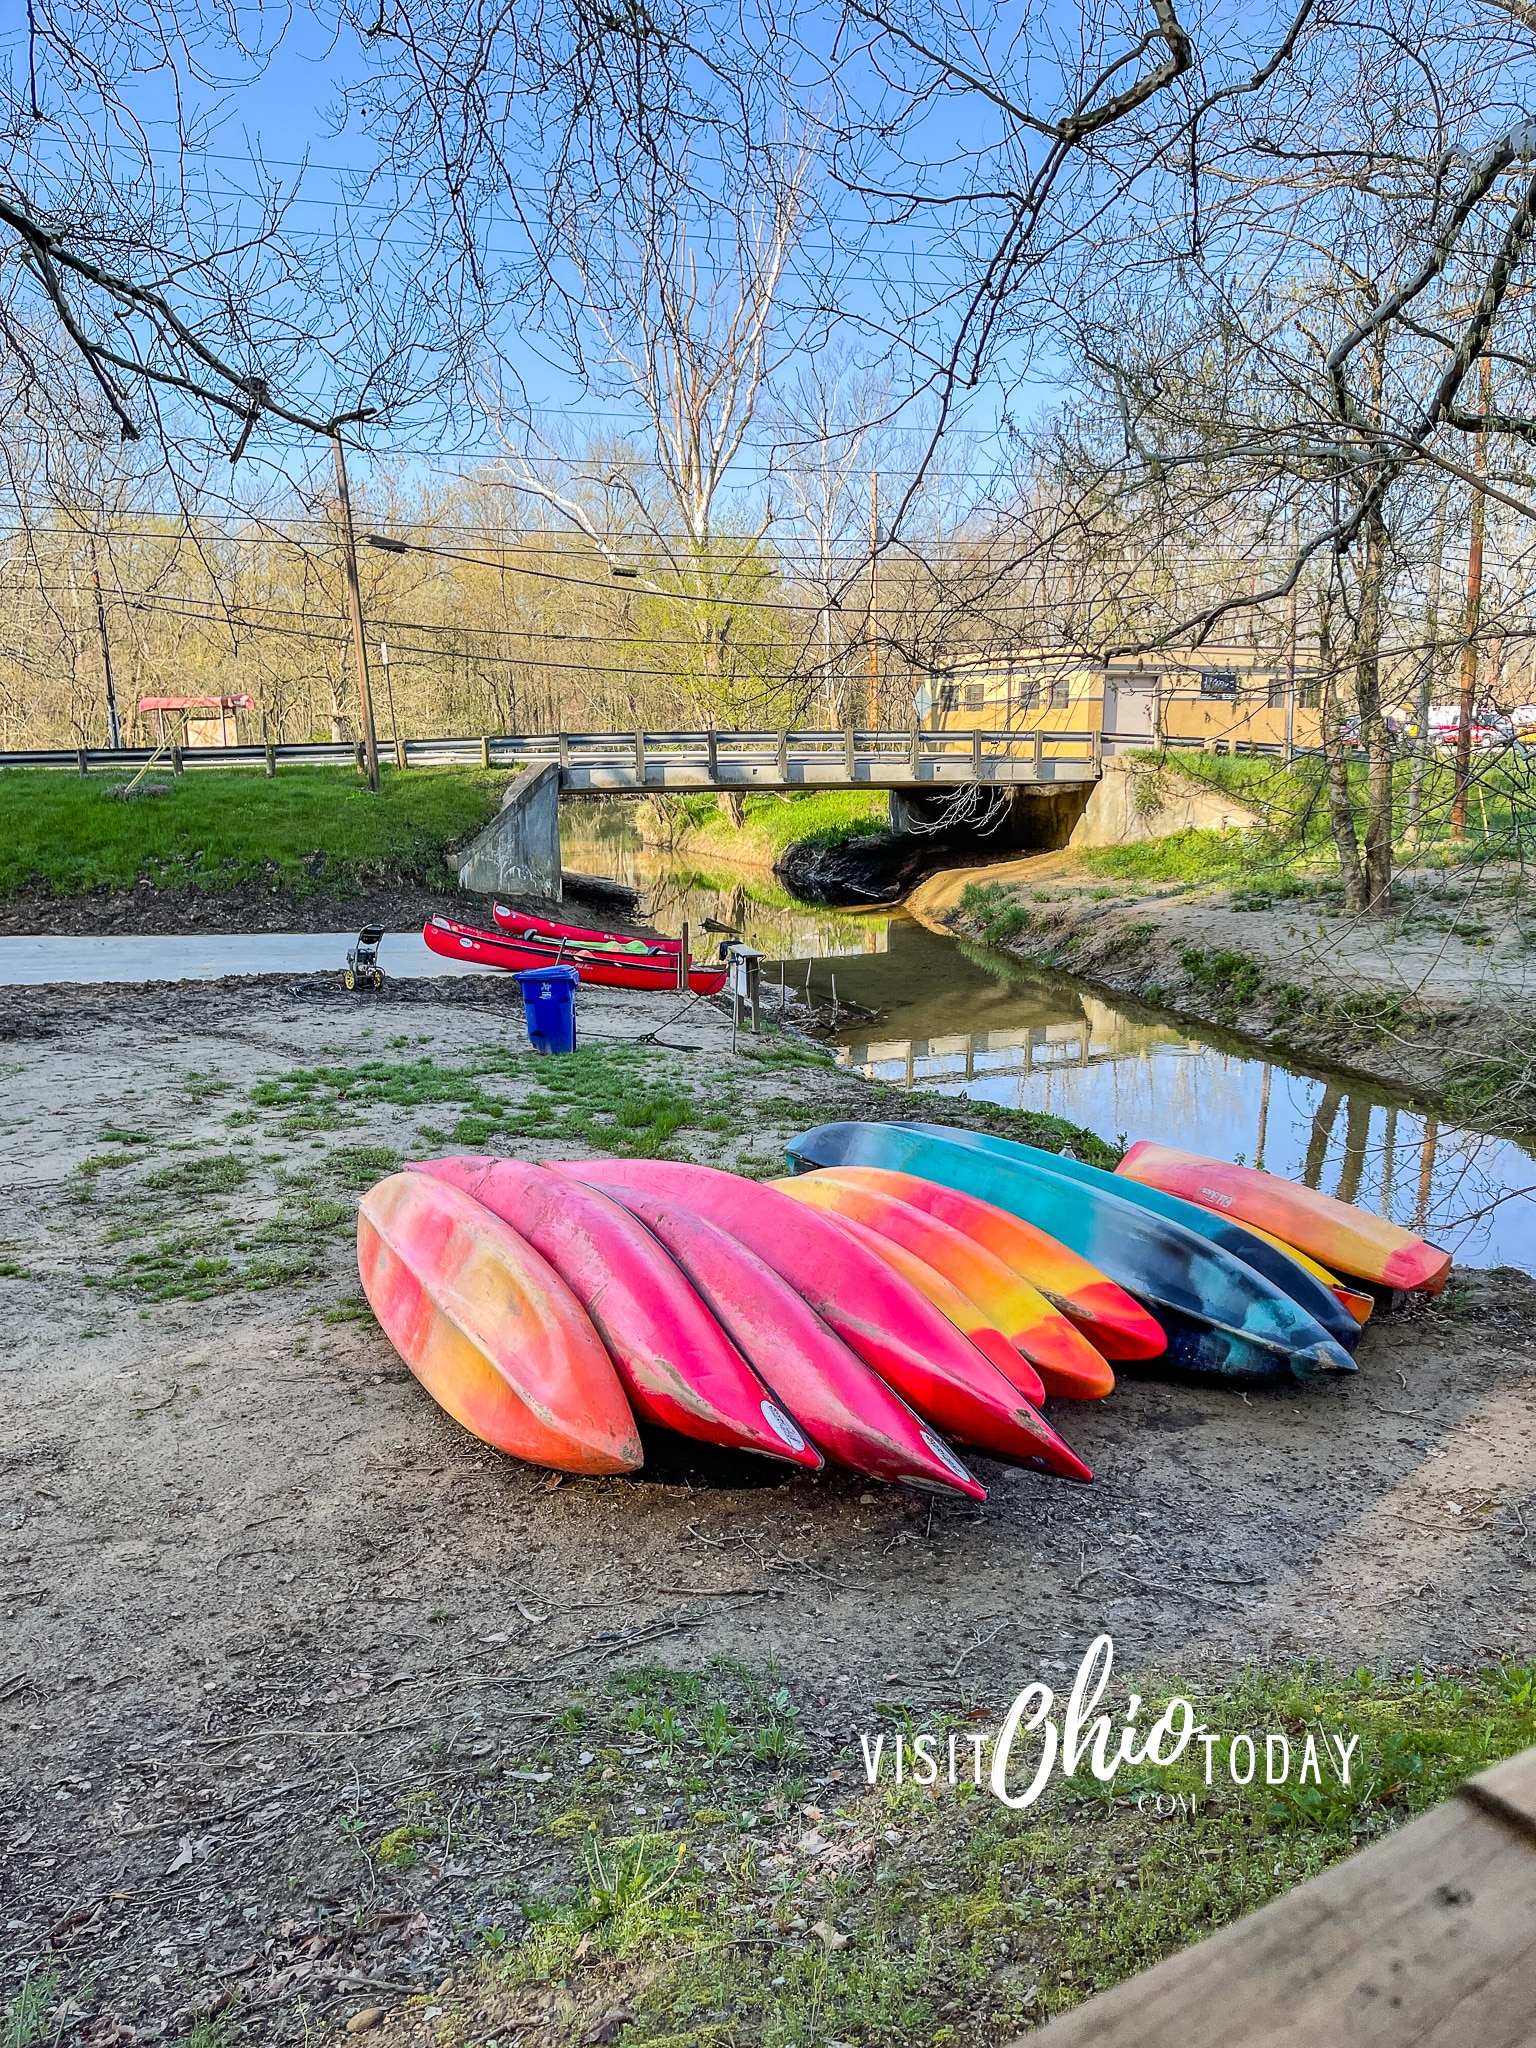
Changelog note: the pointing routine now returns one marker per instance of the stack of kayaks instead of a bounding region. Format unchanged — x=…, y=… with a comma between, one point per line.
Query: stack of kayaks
x=912, y=1288
x=552, y=1309
x=1248, y=1300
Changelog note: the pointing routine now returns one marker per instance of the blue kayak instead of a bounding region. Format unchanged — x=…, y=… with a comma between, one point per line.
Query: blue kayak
x=1286, y=1273
x=1221, y=1315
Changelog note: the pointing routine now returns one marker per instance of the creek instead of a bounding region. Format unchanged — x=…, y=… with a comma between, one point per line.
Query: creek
x=922, y=1011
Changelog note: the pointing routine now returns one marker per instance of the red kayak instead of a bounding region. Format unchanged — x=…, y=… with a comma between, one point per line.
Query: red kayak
x=607, y=970
x=880, y=1317
x=675, y=1362
x=526, y=924
x=849, y=1412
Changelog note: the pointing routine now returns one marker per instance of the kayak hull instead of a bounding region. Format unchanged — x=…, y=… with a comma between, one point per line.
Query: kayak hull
x=490, y=1330
x=885, y=1322
x=1061, y=1357
x=465, y=942
x=1114, y=1322
x=849, y=1413
x=675, y=1363
x=521, y=923
x=1346, y=1239
x=1179, y=1276
x=1272, y=1262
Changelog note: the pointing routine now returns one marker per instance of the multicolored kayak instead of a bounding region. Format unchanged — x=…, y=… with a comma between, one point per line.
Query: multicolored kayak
x=1276, y=1263
x=1062, y=1357
x=676, y=1364
x=491, y=1331
x=954, y=1306
x=1115, y=1324
x=849, y=1412
x=617, y=968
x=1347, y=1239
x=1221, y=1316
x=1360, y=1306
x=885, y=1322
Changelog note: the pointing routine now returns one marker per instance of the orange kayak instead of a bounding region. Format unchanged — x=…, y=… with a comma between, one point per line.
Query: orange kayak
x=1344, y=1238
x=1060, y=1354
x=951, y=1303
x=676, y=1364
x=491, y=1331
x=1114, y=1322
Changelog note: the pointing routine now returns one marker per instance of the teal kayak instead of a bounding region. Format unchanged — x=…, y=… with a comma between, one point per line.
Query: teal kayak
x=1221, y=1316
x=1286, y=1273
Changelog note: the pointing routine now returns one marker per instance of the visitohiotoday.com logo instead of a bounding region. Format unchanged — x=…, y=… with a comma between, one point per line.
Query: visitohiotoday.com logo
x=1031, y=1733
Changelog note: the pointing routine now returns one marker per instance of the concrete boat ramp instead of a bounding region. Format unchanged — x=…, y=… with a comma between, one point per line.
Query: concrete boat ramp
x=212, y=956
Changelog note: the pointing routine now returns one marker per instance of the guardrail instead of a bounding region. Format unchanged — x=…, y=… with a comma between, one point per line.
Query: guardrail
x=598, y=761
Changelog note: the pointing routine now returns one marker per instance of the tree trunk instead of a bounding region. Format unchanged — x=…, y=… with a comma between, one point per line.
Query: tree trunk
x=1341, y=810
x=1375, y=734
x=733, y=807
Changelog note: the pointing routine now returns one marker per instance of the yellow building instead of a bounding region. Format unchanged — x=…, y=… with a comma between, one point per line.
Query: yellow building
x=1231, y=699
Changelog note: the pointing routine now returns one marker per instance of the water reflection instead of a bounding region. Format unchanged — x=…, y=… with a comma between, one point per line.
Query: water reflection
x=1130, y=1075
x=963, y=1021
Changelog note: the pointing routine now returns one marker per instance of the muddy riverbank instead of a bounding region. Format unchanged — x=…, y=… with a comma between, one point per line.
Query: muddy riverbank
x=1435, y=997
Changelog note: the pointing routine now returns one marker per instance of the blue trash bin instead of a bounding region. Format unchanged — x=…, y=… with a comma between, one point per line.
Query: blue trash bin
x=549, y=997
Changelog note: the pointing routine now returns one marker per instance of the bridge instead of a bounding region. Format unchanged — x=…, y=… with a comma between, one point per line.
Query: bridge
x=594, y=763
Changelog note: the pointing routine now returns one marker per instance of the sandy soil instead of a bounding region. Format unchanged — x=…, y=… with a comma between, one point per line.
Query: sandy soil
x=261, y=1595
x=1440, y=985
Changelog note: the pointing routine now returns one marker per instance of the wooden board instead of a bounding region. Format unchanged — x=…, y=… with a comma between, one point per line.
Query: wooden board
x=1424, y=1940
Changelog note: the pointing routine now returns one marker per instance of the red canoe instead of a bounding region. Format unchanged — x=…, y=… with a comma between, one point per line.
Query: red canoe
x=849, y=1411
x=607, y=970
x=526, y=924
x=675, y=1362
x=880, y=1317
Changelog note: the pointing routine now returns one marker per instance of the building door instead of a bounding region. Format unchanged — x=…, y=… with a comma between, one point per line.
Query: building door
x=1130, y=707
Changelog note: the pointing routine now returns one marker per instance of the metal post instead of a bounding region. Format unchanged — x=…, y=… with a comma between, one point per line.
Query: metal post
x=355, y=614
x=389, y=691
x=914, y=743
x=85, y=766
x=271, y=761
x=976, y=755
x=485, y=750
x=1039, y=751
x=640, y=757
x=682, y=960
x=713, y=753
x=849, y=748
x=783, y=757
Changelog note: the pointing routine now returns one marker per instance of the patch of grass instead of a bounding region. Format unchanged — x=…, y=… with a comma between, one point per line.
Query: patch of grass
x=217, y=1173
x=27, y=2015
x=352, y=1308
x=306, y=830
x=210, y=1259
x=772, y=823
x=995, y=912
x=359, y=1166
x=955, y=1919
x=1231, y=977
x=1192, y=857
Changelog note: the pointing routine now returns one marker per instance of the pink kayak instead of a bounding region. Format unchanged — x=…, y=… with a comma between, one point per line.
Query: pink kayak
x=849, y=1412
x=676, y=1364
x=878, y=1315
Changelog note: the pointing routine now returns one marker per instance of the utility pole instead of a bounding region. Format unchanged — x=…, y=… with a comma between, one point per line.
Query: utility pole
x=114, y=728
x=1473, y=620
x=874, y=596
x=355, y=613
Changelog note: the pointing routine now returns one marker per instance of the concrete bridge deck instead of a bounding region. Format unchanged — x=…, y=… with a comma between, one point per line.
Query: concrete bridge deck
x=598, y=762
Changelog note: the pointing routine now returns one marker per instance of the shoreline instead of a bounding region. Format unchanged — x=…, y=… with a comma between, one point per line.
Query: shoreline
x=1408, y=1000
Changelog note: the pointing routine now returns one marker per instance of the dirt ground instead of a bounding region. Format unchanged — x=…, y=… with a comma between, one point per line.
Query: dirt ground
x=261, y=1594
